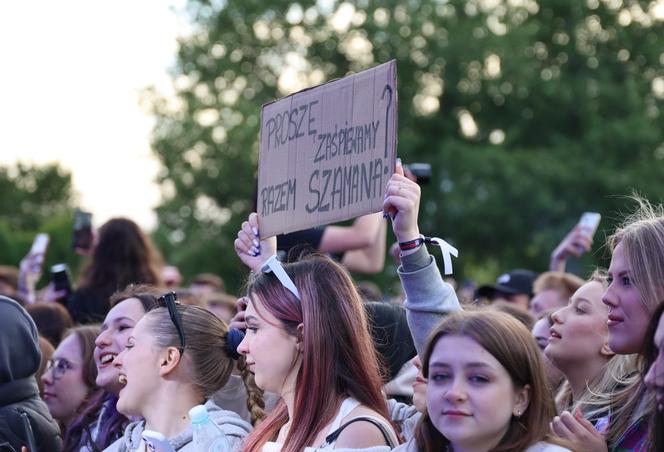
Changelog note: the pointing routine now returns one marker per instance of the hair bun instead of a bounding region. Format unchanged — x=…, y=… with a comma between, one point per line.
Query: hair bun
x=233, y=339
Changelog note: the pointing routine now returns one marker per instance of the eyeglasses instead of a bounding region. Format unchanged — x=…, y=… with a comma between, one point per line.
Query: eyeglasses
x=58, y=366
x=170, y=301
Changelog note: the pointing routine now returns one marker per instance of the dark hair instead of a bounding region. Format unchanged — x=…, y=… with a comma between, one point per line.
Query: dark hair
x=391, y=336
x=649, y=354
x=52, y=320
x=123, y=255
x=47, y=351
x=9, y=275
x=145, y=293
x=338, y=358
x=369, y=291
x=507, y=340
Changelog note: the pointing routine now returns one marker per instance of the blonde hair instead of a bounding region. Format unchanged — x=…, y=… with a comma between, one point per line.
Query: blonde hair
x=598, y=399
x=642, y=237
x=208, y=362
x=609, y=392
x=563, y=283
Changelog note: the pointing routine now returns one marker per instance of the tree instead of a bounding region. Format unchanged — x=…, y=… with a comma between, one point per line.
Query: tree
x=530, y=114
x=35, y=199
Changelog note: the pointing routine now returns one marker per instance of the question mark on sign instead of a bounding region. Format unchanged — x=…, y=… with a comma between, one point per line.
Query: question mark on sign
x=388, y=90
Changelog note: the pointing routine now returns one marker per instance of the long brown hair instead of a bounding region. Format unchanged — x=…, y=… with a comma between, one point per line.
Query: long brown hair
x=607, y=386
x=123, y=255
x=642, y=238
x=511, y=344
x=145, y=293
x=338, y=357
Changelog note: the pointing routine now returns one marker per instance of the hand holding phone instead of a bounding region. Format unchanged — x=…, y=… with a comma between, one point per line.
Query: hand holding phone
x=62, y=286
x=577, y=242
x=589, y=222
x=31, y=267
x=40, y=244
x=35, y=257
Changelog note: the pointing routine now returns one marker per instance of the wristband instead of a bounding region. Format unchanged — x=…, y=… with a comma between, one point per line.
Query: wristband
x=412, y=244
x=445, y=248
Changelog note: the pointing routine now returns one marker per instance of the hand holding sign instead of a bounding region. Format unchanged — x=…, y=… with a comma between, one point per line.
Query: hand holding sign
x=251, y=250
x=402, y=203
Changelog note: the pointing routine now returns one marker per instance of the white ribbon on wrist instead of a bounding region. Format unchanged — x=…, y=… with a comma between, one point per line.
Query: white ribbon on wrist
x=274, y=265
x=446, y=250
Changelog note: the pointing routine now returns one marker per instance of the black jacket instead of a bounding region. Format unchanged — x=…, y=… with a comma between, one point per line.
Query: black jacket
x=21, y=397
x=21, y=409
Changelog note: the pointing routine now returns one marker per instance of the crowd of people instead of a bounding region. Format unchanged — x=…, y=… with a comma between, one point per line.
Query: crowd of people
x=301, y=361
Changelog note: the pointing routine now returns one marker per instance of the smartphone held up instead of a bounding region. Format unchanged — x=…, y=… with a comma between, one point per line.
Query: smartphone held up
x=61, y=280
x=589, y=222
x=82, y=233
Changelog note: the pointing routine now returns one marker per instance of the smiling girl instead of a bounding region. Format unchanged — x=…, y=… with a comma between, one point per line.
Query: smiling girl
x=487, y=388
x=175, y=359
x=100, y=419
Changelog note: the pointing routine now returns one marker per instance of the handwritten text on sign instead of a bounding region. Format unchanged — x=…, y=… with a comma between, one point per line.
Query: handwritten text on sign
x=326, y=153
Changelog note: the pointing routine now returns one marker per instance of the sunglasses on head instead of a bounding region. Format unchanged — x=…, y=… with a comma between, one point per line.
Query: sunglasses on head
x=170, y=301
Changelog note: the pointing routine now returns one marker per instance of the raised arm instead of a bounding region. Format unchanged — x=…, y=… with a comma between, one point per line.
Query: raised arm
x=428, y=297
x=575, y=243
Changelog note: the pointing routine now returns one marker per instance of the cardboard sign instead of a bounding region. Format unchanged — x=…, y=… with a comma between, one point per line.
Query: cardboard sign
x=326, y=153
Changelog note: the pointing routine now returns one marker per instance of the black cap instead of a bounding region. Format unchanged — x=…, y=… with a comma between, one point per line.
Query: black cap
x=512, y=283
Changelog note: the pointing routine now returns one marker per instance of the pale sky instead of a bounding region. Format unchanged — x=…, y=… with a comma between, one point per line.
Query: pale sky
x=70, y=83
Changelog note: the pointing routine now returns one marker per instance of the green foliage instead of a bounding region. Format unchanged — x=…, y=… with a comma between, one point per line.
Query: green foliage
x=530, y=114
x=30, y=195
x=35, y=199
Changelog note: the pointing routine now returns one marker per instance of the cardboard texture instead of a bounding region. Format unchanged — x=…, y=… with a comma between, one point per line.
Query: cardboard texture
x=326, y=153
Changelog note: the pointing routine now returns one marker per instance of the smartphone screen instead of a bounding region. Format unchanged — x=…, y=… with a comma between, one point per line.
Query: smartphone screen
x=589, y=222
x=82, y=234
x=40, y=244
x=61, y=280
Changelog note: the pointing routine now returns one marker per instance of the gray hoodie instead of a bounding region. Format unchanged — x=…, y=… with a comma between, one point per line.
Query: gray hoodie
x=230, y=423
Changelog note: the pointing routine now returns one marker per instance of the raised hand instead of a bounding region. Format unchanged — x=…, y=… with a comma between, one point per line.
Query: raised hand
x=238, y=319
x=251, y=250
x=402, y=203
x=575, y=243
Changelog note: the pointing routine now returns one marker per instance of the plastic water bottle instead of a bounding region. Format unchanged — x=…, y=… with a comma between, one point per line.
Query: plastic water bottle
x=208, y=437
